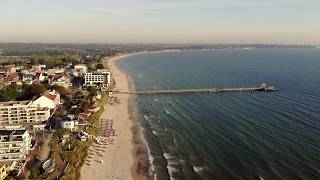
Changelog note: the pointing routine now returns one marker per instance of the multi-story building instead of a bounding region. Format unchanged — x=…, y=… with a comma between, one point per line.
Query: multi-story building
x=97, y=79
x=22, y=113
x=14, y=144
x=60, y=80
x=14, y=147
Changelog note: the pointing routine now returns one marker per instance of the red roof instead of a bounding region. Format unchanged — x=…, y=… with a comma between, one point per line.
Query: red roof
x=94, y=104
x=50, y=96
x=86, y=112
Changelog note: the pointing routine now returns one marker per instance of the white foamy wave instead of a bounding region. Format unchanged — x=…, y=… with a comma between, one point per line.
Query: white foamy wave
x=171, y=171
x=147, y=118
x=168, y=156
x=173, y=162
x=171, y=159
x=168, y=112
x=198, y=169
x=175, y=142
x=155, y=133
x=150, y=157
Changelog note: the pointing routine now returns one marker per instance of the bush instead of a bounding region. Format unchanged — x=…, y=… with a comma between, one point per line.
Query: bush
x=100, y=66
x=60, y=132
x=11, y=92
x=53, y=142
x=38, y=89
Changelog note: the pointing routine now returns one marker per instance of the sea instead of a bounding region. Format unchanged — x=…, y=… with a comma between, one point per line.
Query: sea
x=230, y=136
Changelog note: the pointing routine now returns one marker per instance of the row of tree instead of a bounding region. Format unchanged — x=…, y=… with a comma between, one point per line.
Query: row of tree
x=26, y=91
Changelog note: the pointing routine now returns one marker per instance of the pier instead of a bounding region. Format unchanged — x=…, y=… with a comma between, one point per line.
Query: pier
x=262, y=88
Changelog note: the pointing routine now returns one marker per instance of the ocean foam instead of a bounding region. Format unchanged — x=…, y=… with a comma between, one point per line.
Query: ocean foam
x=150, y=157
x=171, y=171
x=155, y=133
x=168, y=156
x=198, y=169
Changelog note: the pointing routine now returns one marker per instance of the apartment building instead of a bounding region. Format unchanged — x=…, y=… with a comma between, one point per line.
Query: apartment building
x=22, y=113
x=101, y=78
x=14, y=147
x=14, y=144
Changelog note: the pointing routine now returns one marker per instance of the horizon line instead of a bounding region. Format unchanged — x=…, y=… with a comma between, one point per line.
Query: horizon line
x=137, y=43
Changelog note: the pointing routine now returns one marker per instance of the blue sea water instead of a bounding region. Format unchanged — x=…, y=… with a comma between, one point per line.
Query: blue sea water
x=226, y=136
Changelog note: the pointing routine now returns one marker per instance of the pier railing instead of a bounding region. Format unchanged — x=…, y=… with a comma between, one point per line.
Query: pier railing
x=263, y=88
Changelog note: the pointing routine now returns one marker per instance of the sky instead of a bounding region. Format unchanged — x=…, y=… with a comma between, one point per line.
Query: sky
x=160, y=21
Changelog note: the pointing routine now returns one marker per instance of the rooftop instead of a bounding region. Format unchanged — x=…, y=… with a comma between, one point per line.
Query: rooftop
x=13, y=103
x=50, y=95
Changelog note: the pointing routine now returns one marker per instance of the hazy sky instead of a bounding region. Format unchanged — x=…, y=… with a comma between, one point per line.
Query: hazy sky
x=160, y=21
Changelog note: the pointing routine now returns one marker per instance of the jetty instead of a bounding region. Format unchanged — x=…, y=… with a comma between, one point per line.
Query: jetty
x=262, y=88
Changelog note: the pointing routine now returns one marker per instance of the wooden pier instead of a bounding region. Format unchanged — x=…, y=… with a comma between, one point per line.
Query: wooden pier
x=262, y=88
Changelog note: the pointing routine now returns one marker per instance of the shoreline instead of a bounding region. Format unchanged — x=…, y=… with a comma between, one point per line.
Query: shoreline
x=140, y=169
x=127, y=158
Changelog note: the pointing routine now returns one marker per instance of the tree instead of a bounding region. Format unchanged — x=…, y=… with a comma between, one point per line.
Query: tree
x=92, y=91
x=52, y=143
x=100, y=66
x=85, y=105
x=60, y=132
x=61, y=90
x=11, y=92
x=38, y=89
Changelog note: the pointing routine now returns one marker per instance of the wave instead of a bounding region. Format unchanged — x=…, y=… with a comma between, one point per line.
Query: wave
x=150, y=157
x=199, y=169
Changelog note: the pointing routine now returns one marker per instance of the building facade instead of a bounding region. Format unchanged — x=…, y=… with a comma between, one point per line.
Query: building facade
x=14, y=144
x=22, y=113
x=97, y=79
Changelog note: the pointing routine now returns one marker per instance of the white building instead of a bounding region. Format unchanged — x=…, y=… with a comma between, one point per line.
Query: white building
x=81, y=68
x=14, y=144
x=50, y=99
x=42, y=77
x=22, y=113
x=70, y=124
x=63, y=81
x=54, y=71
x=98, y=78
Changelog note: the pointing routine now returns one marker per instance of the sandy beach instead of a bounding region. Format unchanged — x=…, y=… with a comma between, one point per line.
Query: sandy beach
x=119, y=161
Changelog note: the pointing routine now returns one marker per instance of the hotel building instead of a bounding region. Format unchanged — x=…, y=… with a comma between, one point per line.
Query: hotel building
x=98, y=78
x=14, y=144
x=22, y=113
x=14, y=147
